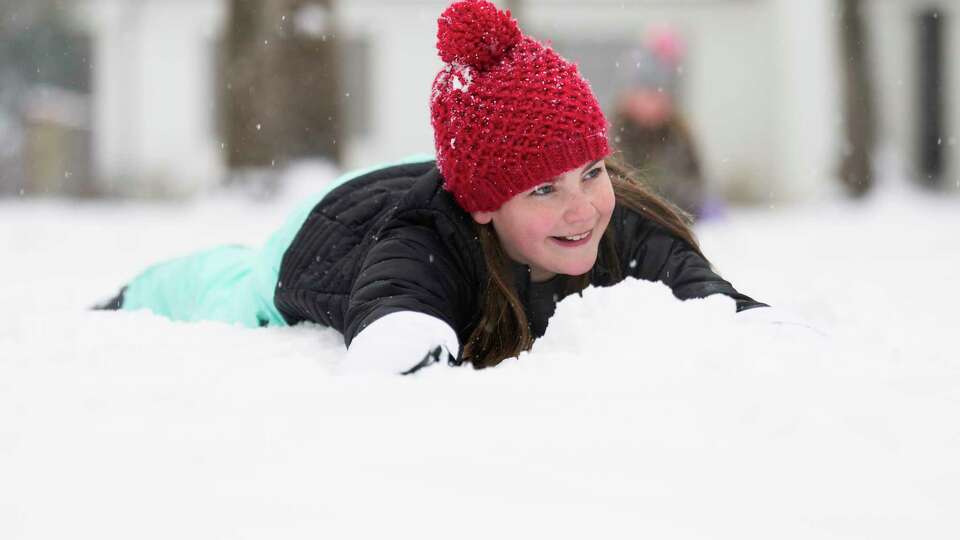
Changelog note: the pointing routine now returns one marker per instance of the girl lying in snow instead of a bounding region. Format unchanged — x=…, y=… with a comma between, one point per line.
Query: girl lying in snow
x=460, y=259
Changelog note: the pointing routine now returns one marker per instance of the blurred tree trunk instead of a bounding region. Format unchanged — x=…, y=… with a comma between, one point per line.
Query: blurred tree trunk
x=856, y=169
x=282, y=82
x=931, y=111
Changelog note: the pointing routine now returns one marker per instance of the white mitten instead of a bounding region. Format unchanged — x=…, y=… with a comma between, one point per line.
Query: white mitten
x=402, y=342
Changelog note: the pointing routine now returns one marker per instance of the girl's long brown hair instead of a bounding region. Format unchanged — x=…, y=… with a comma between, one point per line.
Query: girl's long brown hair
x=504, y=331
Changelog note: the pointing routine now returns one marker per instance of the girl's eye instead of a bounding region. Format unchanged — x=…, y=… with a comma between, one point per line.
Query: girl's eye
x=545, y=189
x=593, y=173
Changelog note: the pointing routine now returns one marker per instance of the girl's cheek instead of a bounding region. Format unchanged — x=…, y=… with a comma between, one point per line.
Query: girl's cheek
x=609, y=198
x=540, y=222
x=549, y=224
x=540, y=229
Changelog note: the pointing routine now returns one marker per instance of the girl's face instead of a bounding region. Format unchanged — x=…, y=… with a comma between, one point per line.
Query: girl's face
x=555, y=228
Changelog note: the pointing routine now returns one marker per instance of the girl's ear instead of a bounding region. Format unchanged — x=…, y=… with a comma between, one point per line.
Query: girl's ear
x=482, y=217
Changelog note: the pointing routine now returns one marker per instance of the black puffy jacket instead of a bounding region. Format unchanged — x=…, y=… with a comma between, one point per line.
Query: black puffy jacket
x=395, y=240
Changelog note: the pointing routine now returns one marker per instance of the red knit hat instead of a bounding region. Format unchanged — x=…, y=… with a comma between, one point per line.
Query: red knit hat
x=508, y=113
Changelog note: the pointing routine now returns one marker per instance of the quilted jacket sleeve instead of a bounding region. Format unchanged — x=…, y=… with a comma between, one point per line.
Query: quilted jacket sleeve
x=648, y=251
x=413, y=266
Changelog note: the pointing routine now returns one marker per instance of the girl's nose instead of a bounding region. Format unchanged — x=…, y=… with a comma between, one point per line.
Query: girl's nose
x=580, y=208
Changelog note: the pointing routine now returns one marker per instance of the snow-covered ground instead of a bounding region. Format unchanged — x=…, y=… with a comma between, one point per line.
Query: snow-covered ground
x=635, y=416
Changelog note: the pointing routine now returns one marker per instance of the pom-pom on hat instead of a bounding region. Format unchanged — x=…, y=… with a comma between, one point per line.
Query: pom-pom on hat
x=508, y=113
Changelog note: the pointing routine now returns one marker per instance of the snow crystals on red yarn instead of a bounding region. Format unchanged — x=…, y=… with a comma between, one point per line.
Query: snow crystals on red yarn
x=475, y=33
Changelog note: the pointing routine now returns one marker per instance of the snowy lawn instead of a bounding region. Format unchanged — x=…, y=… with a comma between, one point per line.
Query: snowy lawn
x=636, y=416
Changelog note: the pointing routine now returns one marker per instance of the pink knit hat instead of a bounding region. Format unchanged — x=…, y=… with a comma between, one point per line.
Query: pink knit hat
x=508, y=113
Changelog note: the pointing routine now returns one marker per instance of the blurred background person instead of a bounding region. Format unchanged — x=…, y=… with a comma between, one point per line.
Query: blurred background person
x=649, y=128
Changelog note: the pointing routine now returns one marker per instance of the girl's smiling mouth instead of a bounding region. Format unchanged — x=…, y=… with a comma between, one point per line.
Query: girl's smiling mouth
x=574, y=240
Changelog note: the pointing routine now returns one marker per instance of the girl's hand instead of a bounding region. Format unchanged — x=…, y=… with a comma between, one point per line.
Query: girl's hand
x=395, y=344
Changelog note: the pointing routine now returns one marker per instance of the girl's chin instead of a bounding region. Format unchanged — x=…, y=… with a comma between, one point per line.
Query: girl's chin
x=577, y=268
x=579, y=271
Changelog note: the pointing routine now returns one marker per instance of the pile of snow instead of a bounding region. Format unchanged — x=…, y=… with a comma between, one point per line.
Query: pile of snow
x=636, y=415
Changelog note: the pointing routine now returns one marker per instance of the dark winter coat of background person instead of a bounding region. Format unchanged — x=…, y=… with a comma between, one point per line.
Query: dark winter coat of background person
x=666, y=159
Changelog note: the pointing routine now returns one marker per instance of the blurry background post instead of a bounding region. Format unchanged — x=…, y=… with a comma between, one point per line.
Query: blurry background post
x=856, y=169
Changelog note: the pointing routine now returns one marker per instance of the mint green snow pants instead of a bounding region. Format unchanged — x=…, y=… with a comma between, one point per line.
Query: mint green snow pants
x=232, y=284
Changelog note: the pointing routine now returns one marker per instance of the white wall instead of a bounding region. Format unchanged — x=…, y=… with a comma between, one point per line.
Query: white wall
x=153, y=95
x=809, y=115
x=404, y=62
x=732, y=95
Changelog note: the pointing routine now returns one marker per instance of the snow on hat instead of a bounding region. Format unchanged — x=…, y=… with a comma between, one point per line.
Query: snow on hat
x=508, y=113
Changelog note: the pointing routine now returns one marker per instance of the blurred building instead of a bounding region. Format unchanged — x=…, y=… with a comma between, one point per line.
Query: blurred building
x=762, y=84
